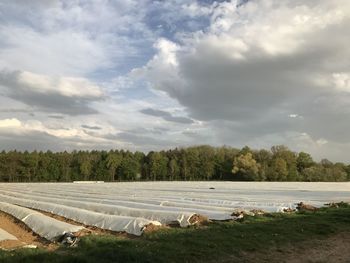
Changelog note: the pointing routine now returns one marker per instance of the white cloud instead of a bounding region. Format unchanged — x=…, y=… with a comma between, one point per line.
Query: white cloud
x=10, y=123
x=342, y=81
x=260, y=62
x=63, y=52
x=246, y=72
x=67, y=95
x=66, y=86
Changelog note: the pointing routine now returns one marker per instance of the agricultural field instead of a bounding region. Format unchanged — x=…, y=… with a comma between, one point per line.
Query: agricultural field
x=46, y=215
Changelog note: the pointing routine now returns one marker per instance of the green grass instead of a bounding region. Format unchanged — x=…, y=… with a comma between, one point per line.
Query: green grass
x=198, y=244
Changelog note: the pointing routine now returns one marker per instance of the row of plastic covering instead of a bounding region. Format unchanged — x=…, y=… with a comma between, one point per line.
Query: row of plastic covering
x=166, y=202
x=6, y=236
x=158, y=212
x=127, y=224
x=216, y=204
x=43, y=225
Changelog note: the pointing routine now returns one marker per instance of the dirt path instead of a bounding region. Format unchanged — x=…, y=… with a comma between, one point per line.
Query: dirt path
x=333, y=249
x=24, y=235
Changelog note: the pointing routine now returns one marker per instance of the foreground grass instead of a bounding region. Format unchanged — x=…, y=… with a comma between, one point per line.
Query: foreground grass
x=214, y=242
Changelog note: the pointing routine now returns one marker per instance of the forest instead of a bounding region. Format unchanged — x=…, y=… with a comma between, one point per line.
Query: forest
x=185, y=164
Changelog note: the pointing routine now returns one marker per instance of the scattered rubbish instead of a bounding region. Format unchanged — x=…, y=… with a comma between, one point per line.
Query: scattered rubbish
x=288, y=210
x=257, y=212
x=198, y=219
x=333, y=205
x=337, y=205
x=301, y=207
x=69, y=239
x=239, y=214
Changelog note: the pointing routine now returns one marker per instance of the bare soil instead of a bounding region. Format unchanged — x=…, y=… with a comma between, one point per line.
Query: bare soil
x=24, y=235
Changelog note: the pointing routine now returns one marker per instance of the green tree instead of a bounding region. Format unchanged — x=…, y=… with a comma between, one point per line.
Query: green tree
x=85, y=165
x=245, y=167
x=279, y=170
x=158, y=166
x=130, y=168
x=282, y=152
x=173, y=169
x=304, y=161
x=114, y=160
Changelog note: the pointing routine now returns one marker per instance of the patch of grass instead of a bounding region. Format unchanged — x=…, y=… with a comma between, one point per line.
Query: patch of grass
x=197, y=244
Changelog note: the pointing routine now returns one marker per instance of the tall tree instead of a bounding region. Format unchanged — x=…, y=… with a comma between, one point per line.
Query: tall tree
x=246, y=167
x=114, y=160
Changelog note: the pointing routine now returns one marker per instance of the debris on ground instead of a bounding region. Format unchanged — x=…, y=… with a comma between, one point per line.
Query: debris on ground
x=68, y=239
x=257, y=212
x=240, y=214
x=337, y=205
x=333, y=205
x=301, y=207
x=288, y=210
x=198, y=220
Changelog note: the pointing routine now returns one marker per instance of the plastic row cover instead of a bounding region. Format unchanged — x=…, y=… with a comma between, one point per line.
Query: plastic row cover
x=131, y=225
x=44, y=226
x=6, y=236
x=158, y=203
x=215, y=209
x=163, y=214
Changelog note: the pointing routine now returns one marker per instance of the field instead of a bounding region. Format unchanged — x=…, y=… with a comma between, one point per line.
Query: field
x=198, y=218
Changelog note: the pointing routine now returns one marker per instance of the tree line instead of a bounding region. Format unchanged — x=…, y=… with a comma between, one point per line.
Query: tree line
x=187, y=164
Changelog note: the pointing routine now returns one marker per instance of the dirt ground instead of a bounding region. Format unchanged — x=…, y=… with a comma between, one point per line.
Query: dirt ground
x=24, y=235
x=333, y=249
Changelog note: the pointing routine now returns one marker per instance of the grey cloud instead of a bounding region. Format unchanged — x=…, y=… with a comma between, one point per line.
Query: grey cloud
x=166, y=116
x=49, y=101
x=42, y=141
x=31, y=141
x=151, y=131
x=59, y=117
x=15, y=110
x=91, y=127
x=253, y=96
x=142, y=140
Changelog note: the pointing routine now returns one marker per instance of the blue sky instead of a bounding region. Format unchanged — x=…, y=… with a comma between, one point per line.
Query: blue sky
x=150, y=75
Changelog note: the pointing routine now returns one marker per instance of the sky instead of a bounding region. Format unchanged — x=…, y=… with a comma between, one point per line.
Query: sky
x=150, y=75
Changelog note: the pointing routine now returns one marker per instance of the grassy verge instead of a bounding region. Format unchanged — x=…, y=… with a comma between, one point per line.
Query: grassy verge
x=207, y=243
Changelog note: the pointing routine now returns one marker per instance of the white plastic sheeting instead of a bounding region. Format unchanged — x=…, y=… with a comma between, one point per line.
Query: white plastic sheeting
x=127, y=224
x=116, y=206
x=272, y=195
x=44, y=226
x=163, y=214
x=6, y=236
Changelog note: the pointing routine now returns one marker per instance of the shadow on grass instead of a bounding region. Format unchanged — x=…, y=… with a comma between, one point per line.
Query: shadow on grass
x=197, y=244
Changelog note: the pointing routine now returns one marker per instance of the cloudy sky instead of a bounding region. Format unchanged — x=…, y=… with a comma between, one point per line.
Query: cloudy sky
x=148, y=75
